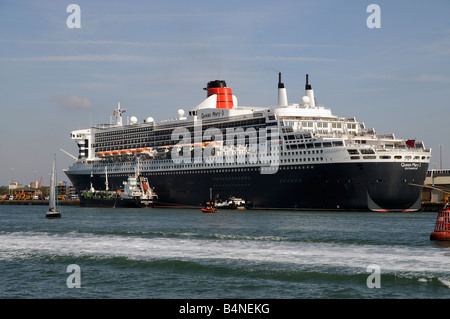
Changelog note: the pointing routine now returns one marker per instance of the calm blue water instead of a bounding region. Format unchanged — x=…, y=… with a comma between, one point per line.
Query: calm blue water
x=182, y=253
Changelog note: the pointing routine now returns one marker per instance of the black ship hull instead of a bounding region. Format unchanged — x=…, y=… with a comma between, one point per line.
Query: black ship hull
x=372, y=186
x=115, y=203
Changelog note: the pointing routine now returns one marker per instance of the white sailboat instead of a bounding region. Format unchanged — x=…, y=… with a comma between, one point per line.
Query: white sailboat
x=53, y=209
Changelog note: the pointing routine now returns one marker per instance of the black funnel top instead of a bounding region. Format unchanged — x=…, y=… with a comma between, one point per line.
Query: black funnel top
x=280, y=84
x=216, y=84
x=307, y=86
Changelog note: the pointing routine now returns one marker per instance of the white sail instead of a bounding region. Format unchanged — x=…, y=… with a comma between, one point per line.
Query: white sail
x=52, y=198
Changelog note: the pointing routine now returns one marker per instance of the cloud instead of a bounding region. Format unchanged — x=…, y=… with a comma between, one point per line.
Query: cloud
x=84, y=58
x=416, y=78
x=288, y=59
x=73, y=102
x=109, y=42
x=301, y=45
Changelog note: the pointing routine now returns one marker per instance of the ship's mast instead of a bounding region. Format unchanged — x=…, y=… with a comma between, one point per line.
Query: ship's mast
x=118, y=115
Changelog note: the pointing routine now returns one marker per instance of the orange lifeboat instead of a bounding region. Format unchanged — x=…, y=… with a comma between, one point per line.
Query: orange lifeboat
x=125, y=152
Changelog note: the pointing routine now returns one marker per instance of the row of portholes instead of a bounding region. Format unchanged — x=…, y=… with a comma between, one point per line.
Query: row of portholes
x=235, y=170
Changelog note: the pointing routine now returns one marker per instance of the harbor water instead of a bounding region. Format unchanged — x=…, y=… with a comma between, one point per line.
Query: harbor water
x=238, y=254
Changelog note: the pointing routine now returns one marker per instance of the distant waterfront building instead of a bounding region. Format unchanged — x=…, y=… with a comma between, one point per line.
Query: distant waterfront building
x=437, y=186
x=34, y=184
x=65, y=189
x=13, y=185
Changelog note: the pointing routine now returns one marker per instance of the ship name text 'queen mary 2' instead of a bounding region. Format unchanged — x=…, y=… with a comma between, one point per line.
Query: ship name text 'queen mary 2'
x=285, y=156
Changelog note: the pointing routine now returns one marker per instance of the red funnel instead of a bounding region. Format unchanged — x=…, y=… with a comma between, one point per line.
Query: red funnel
x=224, y=94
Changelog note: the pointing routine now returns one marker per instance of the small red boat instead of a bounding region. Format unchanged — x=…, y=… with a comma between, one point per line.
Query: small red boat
x=209, y=208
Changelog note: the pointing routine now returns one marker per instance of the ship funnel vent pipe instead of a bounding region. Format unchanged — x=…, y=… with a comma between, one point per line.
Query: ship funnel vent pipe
x=282, y=95
x=310, y=93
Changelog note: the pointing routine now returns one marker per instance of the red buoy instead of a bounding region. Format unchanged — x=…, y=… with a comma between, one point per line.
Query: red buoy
x=442, y=227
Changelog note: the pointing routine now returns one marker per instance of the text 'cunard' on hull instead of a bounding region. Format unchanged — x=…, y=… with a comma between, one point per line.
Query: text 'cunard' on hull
x=287, y=156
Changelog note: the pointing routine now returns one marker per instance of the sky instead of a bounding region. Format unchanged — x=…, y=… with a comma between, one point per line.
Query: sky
x=156, y=57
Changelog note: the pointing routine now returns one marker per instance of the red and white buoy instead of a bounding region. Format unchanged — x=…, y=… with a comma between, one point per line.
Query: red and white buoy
x=442, y=227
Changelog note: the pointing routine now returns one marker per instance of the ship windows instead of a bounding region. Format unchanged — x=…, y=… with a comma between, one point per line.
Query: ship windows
x=352, y=151
x=398, y=157
x=367, y=151
x=336, y=125
x=385, y=157
x=338, y=143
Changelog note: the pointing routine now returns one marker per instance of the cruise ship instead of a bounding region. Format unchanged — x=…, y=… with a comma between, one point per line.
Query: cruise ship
x=285, y=156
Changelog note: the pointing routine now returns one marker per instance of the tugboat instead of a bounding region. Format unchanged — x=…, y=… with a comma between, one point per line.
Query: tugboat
x=232, y=203
x=136, y=193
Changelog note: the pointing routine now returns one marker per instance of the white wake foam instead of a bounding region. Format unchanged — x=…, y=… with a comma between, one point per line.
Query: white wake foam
x=352, y=256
